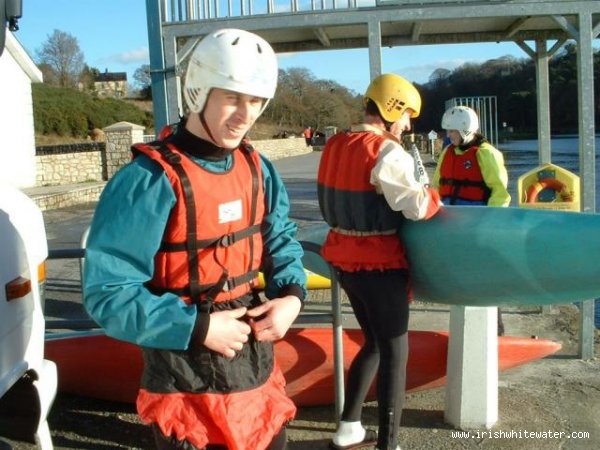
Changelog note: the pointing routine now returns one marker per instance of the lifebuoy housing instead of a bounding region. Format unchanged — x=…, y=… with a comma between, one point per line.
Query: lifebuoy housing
x=549, y=183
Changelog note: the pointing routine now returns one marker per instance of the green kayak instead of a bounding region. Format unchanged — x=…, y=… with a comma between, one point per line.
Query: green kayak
x=484, y=256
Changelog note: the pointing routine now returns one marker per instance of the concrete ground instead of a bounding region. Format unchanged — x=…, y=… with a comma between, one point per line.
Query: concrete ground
x=553, y=403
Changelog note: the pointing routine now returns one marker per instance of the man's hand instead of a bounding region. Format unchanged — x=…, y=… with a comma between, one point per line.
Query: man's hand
x=276, y=317
x=226, y=333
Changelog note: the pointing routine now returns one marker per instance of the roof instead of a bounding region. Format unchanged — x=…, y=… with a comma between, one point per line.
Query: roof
x=401, y=23
x=123, y=126
x=22, y=58
x=111, y=76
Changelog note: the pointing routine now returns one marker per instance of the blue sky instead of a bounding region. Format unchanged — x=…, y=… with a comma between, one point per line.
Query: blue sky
x=112, y=34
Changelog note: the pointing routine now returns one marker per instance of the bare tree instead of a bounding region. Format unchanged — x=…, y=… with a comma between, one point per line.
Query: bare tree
x=62, y=54
x=143, y=81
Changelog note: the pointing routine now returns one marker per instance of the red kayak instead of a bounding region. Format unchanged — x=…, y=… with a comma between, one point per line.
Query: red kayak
x=94, y=365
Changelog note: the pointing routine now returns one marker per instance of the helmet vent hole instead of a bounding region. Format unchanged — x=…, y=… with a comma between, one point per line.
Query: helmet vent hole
x=258, y=48
x=193, y=94
x=235, y=42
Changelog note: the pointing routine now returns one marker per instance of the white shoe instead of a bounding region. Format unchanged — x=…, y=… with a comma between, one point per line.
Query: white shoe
x=351, y=436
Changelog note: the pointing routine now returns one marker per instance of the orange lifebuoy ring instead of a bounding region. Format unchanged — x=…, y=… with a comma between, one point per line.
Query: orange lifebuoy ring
x=548, y=183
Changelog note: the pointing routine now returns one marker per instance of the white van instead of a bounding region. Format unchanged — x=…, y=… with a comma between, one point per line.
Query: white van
x=28, y=382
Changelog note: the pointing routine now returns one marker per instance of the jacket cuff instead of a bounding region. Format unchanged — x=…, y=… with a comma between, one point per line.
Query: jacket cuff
x=293, y=289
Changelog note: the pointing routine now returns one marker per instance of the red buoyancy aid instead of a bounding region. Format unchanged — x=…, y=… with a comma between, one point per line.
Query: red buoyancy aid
x=198, y=396
x=364, y=228
x=221, y=257
x=461, y=177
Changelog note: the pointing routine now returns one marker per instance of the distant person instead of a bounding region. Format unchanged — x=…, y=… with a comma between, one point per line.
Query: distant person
x=470, y=171
x=366, y=189
x=446, y=141
x=308, y=135
x=318, y=138
x=174, y=251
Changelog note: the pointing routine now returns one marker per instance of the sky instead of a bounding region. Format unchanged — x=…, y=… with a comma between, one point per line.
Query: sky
x=112, y=35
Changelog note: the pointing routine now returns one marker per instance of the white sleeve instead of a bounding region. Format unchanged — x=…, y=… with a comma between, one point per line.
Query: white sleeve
x=394, y=177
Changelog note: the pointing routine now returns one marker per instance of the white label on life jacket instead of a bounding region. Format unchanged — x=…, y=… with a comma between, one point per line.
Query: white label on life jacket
x=230, y=212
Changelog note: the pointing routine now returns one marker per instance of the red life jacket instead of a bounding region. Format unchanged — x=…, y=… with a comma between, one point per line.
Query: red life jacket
x=211, y=251
x=364, y=228
x=212, y=245
x=461, y=178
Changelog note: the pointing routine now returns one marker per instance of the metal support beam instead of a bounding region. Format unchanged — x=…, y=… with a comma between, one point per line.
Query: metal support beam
x=540, y=55
x=565, y=25
x=185, y=51
x=322, y=36
x=154, y=17
x=542, y=82
x=416, y=31
x=557, y=45
x=374, y=49
x=172, y=79
x=526, y=48
x=587, y=159
x=515, y=27
x=596, y=31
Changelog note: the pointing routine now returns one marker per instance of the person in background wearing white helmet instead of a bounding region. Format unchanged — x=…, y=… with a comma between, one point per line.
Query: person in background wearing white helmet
x=366, y=189
x=174, y=251
x=470, y=171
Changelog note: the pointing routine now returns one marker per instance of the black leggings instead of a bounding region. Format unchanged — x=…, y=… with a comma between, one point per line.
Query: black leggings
x=163, y=442
x=379, y=300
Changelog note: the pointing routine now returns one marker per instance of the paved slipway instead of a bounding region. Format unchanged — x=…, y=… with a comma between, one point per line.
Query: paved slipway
x=553, y=403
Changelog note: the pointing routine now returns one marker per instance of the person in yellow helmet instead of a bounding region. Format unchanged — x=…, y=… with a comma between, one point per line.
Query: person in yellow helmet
x=366, y=189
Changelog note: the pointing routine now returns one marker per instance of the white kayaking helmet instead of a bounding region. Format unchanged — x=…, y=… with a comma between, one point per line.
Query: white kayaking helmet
x=231, y=59
x=463, y=119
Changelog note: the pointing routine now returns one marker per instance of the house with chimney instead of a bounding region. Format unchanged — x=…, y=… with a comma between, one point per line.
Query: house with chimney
x=111, y=84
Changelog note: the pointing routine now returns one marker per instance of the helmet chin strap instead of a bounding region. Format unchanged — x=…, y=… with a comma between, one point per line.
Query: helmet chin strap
x=206, y=128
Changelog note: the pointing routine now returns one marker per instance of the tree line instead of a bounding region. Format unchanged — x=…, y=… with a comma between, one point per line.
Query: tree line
x=513, y=82
x=304, y=100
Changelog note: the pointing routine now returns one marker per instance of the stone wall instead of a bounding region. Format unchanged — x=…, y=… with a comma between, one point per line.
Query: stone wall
x=98, y=161
x=65, y=195
x=275, y=149
x=119, y=138
x=70, y=164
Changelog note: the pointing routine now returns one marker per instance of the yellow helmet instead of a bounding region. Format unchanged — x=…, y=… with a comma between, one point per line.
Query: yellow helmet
x=393, y=94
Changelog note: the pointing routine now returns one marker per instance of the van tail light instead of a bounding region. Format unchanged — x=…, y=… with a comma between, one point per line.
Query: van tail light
x=21, y=286
x=17, y=288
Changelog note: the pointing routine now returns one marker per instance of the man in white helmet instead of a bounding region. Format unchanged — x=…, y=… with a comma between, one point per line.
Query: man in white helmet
x=470, y=171
x=175, y=247
x=366, y=189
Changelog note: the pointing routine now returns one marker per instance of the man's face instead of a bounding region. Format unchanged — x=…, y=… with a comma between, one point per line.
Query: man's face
x=454, y=137
x=229, y=115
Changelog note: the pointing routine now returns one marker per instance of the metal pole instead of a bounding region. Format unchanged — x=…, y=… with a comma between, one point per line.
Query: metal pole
x=338, y=346
x=154, y=16
x=587, y=160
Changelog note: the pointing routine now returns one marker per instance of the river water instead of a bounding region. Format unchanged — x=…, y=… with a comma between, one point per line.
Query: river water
x=522, y=156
